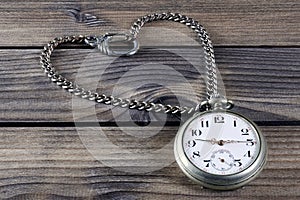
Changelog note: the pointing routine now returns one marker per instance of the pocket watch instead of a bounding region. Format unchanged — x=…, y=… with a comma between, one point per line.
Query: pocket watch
x=220, y=149
x=216, y=147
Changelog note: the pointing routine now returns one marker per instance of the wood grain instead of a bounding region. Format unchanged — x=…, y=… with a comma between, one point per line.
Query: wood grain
x=263, y=82
x=229, y=22
x=51, y=162
x=44, y=156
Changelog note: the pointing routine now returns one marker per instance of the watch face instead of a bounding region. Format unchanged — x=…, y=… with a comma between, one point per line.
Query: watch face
x=221, y=143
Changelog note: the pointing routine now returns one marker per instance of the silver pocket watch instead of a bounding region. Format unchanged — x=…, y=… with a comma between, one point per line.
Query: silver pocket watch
x=220, y=149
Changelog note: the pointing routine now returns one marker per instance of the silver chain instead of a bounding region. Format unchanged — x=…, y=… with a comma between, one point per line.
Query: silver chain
x=211, y=87
x=72, y=87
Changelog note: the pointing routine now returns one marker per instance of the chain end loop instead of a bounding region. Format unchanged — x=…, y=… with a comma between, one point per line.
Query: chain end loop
x=216, y=103
x=220, y=103
x=104, y=43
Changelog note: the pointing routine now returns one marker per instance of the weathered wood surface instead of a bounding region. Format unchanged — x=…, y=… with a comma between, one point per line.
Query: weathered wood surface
x=42, y=154
x=264, y=81
x=231, y=22
x=53, y=163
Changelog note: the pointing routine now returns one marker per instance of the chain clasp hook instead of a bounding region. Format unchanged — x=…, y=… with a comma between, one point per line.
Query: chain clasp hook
x=104, y=43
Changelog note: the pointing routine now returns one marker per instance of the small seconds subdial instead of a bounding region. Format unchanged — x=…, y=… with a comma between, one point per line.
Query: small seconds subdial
x=222, y=160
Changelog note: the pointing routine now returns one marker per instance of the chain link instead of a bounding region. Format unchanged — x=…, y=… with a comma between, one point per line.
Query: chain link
x=72, y=87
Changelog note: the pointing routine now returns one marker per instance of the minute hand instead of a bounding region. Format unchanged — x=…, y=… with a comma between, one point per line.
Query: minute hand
x=238, y=141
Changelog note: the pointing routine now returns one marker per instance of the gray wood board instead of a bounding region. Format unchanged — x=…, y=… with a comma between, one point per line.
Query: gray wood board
x=43, y=162
x=263, y=82
x=229, y=23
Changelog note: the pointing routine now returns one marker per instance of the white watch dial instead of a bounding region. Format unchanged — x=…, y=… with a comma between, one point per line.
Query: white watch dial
x=221, y=143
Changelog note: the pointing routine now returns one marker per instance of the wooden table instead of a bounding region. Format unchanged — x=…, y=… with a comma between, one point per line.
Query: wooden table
x=46, y=133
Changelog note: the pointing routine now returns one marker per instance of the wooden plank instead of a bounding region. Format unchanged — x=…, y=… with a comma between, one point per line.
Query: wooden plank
x=263, y=82
x=232, y=22
x=51, y=162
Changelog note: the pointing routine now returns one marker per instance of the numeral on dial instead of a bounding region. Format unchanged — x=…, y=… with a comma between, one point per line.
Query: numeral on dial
x=245, y=131
x=248, y=154
x=196, y=154
x=234, y=123
x=237, y=162
x=204, y=123
x=196, y=132
x=207, y=161
x=250, y=142
x=191, y=143
x=219, y=119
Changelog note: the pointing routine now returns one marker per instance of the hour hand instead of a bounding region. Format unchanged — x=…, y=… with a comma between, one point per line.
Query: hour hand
x=212, y=141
